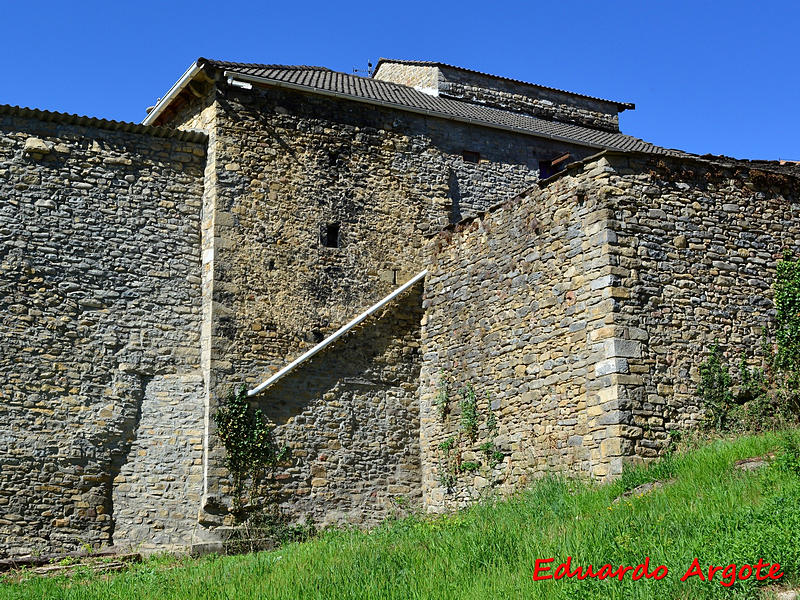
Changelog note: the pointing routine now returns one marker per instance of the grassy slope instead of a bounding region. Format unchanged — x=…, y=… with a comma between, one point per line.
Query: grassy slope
x=714, y=512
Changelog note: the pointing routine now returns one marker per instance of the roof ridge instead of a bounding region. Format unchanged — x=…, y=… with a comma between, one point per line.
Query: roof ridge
x=434, y=63
x=227, y=63
x=351, y=76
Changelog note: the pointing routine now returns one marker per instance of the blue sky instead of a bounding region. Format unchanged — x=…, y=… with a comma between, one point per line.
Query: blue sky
x=707, y=77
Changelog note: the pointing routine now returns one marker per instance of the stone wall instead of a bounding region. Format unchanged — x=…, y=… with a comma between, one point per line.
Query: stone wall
x=100, y=404
x=697, y=245
x=580, y=314
x=285, y=166
x=518, y=307
x=351, y=421
x=145, y=272
x=288, y=164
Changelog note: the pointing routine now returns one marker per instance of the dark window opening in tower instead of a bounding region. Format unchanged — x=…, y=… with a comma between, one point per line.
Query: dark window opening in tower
x=330, y=235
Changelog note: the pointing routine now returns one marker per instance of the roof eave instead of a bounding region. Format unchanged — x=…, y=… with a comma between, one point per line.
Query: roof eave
x=173, y=92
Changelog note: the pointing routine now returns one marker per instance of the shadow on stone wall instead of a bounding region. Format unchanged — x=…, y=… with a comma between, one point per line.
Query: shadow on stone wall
x=369, y=358
x=351, y=420
x=122, y=434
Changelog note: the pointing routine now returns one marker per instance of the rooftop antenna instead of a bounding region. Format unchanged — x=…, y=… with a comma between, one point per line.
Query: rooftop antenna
x=368, y=71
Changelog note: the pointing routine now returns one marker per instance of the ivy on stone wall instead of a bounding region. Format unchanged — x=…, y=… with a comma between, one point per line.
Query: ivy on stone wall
x=766, y=396
x=787, y=318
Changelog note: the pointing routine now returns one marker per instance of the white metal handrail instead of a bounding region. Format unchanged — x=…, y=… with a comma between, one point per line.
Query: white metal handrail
x=336, y=335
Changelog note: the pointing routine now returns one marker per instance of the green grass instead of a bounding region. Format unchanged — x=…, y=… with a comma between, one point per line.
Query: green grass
x=714, y=512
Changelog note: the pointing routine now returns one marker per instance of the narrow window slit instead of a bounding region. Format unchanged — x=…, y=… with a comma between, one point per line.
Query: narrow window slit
x=330, y=236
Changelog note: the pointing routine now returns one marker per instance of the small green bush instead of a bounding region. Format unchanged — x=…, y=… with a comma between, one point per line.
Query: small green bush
x=248, y=440
x=715, y=388
x=788, y=457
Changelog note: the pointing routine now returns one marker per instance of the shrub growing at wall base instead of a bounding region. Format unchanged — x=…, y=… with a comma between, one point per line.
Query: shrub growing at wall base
x=249, y=443
x=715, y=388
x=251, y=452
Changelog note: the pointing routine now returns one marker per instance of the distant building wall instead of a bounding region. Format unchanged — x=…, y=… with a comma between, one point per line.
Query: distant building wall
x=519, y=97
x=506, y=94
x=101, y=400
x=422, y=77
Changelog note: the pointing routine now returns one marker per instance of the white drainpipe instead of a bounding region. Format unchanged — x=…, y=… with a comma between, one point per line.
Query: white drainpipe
x=336, y=335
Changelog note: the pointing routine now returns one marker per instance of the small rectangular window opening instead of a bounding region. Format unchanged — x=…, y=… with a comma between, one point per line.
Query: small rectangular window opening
x=548, y=168
x=330, y=235
x=470, y=156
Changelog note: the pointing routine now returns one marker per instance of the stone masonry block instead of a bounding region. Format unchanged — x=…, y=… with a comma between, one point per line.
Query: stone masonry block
x=611, y=365
x=618, y=347
x=603, y=282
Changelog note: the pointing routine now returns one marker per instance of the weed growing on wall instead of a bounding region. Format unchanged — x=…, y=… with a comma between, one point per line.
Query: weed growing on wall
x=492, y=454
x=469, y=412
x=448, y=467
x=462, y=444
x=442, y=398
x=491, y=420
